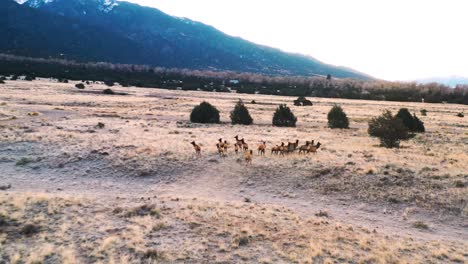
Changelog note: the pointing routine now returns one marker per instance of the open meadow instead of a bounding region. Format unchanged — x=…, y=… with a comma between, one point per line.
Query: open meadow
x=87, y=177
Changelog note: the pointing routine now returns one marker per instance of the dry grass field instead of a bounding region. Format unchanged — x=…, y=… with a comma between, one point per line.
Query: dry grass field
x=92, y=178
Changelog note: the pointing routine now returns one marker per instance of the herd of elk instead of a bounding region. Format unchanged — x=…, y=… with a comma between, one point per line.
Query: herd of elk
x=283, y=149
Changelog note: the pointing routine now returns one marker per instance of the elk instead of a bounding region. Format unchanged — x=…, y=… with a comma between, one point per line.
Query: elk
x=245, y=146
x=248, y=157
x=292, y=146
x=313, y=148
x=220, y=150
x=275, y=149
x=220, y=143
x=262, y=148
x=238, y=141
x=305, y=148
x=282, y=149
x=197, y=148
x=226, y=145
x=222, y=147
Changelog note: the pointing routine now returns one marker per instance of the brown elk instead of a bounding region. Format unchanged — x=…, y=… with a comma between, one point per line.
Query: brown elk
x=245, y=146
x=275, y=149
x=220, y=143
x=197, y=148
x=282, y=149
x=313, y=148
x=262, y=148
x=248, y=157
x=292, y=146
x=221, y=151
x=305, y=148
x=238, y=141
x=226, y=146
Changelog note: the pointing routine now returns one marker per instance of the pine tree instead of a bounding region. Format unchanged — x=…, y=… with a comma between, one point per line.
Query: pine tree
x=389, y=129
x=284, y=117
x=412, y=122
x=204, y=113
x=337, y=118
x=240, y=115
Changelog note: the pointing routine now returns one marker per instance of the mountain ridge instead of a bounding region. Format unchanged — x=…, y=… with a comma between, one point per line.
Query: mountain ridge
x=451, y=81
x=174, y=42
x=29, y=32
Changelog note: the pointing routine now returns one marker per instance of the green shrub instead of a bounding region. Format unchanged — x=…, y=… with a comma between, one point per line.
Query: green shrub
x=108, y=91
x=30, y=229
x=152, y=254
x=412, y=122
x=406, y=117
x=23, y=161
x=204, y=113
x=459, y=184
x=337, y=118
x=420, y=225
x=2, y=81
x=80, y=86
x=109, y=83
x=243, y=241
x=4, y=220
x=418, y=125
x=284, y=117
x=240, y=115
x=302, y=101
x=424, y=112
x=29, y=78
x=389, y=129
x=460, y=115
x=100, y=125
x=14, y=78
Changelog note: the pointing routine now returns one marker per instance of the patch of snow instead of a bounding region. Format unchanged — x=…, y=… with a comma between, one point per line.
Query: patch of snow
x=104, y=5
x=108, y=5
x=186, y=20
x=34, y=3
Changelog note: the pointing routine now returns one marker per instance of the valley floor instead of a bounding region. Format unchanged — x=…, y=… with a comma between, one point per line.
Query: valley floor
x=133, y=191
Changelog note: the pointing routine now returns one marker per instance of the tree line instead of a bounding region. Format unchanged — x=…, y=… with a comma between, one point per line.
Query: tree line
x=390, y=129
x=227, y=81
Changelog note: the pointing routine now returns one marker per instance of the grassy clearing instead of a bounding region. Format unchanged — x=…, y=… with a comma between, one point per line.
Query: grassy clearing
x=192, y=230
x=147, y=134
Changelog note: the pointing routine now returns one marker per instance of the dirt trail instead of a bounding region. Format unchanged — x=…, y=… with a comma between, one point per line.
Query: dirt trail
x=229, y=185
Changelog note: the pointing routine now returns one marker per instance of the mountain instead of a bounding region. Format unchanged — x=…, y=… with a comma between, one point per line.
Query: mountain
x=29, y=32
x=451, y=81
x=134, y=34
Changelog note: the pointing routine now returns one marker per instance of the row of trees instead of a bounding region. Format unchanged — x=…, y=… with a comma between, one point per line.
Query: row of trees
x=390, y=129
x=145, y=76
x=207, y=113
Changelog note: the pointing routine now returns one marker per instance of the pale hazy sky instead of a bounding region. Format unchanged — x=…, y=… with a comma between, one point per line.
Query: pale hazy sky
x=389, y=39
